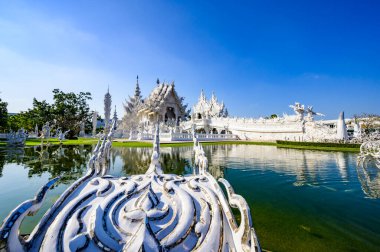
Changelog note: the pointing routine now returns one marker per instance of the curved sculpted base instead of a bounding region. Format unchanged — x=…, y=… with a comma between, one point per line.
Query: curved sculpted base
x=149, y=212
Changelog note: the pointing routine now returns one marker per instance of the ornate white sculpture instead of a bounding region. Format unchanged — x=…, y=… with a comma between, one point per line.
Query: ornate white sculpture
x=310, y=114
x=61, y=135
x=368, y=168
x=299, y=110
x=81, y=131
x=17, y=139
x=370, y=152
x=148, y=212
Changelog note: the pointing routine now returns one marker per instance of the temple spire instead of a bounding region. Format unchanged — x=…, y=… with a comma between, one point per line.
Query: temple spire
x=202, y=96
x=115, y=113
x=137, y=89
x=213, y=97
x=107, y=108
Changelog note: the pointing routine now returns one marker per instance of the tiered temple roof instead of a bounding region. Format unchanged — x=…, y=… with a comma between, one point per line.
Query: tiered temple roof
x=211, y=108
x=159, y=97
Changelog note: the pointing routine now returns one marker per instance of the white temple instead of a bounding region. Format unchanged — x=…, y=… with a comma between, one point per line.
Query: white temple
x=163, y=105
x=211, y=121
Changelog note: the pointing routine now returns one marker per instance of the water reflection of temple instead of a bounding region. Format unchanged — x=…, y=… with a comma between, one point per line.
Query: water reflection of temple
x=176, y=160
x=307, y=166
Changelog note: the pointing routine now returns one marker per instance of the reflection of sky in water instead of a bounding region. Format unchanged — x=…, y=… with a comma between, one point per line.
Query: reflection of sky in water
x=293, y=181
x=313, y=167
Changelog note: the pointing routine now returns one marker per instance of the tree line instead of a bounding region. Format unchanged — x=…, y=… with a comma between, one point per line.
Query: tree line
x=68, y=112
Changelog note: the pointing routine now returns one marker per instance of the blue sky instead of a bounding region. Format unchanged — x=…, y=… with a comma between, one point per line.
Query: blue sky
x=258, y=56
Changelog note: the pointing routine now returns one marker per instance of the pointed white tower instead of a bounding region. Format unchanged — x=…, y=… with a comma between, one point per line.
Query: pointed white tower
x=341, y=128
x=94, y=123
x=115, y=117
x=107, y=109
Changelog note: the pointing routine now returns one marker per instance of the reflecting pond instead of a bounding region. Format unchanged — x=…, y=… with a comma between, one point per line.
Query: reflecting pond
x=300, y=200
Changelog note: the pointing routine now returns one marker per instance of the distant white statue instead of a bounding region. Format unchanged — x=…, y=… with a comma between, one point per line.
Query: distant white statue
x=36, y=130
x=81, y=132
x=62, y=135
x=45, y=134
x=298, y=109
x=17, y=138
x=310, y=114
x=357, y=130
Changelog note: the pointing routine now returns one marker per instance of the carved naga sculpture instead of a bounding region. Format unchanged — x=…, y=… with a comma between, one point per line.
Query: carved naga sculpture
x=148, y=212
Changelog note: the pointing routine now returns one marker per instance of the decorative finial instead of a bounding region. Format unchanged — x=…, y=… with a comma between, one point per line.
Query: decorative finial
x=137, y=89
x=114, y=113
x=158, y=81
x=202, y=96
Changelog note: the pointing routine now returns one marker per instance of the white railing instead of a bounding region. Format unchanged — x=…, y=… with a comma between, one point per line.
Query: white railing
x=216, y=136
x=144, y=136
x=184, y=137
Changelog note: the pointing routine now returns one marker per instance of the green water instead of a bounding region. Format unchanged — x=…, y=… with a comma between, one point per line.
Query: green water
x=300, y=200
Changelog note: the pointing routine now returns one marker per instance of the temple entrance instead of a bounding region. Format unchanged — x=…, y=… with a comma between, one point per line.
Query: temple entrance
x=170, y=115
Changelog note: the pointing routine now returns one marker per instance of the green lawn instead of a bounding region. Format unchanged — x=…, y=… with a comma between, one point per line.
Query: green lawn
x=309, y=147
x=281, y=144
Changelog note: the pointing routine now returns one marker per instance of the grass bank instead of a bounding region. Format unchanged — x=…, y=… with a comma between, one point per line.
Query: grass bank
x=319, y=146
x=280, y=144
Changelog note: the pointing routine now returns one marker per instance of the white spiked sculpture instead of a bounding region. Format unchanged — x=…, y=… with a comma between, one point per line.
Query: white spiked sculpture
x=148, y=212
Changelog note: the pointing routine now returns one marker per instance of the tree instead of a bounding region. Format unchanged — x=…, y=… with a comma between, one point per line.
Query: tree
x=273, y=116
x=67, y=112
x=70, y=110
x=3, y=115
x=39, y=114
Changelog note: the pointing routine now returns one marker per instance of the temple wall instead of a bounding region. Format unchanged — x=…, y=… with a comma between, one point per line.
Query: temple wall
x=269, y=136
x=267, y=129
